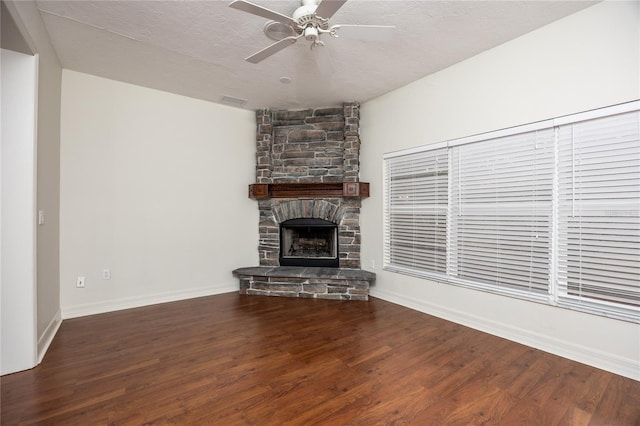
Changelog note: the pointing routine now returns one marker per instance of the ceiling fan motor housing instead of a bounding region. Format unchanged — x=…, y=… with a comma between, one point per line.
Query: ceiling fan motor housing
x=307, y=20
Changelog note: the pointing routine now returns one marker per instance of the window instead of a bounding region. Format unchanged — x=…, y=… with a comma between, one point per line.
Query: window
x=599, y=214
x=416, y=212
x=501, y=211
x=547, y=212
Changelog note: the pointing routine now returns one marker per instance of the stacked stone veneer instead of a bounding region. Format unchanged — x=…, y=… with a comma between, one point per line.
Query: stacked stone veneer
x=313, y=145
x=315, y=283
x=321, y=145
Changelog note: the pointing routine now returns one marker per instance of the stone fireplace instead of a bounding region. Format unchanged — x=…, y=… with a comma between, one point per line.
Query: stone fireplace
x=309, y=197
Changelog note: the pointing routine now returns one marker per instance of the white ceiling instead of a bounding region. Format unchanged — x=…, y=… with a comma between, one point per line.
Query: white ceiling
x=197, y=48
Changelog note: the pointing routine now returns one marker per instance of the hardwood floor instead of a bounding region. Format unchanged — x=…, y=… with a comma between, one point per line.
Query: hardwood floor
x=232, y=359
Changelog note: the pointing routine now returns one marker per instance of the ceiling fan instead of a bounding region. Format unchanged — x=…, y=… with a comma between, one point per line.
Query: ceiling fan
x=310, y=21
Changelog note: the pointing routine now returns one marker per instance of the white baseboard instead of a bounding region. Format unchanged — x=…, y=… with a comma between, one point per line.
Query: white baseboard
x=145, y=300
x=47, y=336
x=606, y=361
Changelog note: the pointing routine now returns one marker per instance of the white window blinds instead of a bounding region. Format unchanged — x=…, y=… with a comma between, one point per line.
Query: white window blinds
x=416, y=212
x=501, y=212
x=549, y=211
x=599, y=214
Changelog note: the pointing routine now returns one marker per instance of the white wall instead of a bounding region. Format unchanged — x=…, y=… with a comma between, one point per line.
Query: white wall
x=29, y=24
x=153, y=187
x=588, y=60
x=17, y=260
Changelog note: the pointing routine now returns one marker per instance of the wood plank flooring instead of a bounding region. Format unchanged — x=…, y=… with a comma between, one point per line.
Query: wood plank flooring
x=251, y=360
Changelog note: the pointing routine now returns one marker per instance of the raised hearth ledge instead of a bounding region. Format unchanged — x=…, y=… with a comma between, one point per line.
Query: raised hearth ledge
x=306, y=282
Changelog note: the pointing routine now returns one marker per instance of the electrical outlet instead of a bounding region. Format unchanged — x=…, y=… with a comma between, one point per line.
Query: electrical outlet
x=106, y=274
x=80, y=282
x=372, y=263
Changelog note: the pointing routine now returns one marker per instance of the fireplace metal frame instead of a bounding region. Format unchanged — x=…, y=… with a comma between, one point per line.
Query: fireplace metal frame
x=327, y=262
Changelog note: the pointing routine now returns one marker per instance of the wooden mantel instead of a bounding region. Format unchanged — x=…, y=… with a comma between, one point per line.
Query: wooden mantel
x=261, y=191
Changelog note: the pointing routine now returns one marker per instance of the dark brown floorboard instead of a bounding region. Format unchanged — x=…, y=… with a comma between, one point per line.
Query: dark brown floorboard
x=232, y=359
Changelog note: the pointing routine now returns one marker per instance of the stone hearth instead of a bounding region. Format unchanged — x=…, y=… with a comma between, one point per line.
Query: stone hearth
x=307, y=166
x=292, y=281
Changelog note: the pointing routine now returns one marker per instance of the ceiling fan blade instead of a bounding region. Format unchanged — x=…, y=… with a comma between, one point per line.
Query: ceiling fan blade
x=255, y=9
x=327, y=8
x=365, y=32
x=270, y=50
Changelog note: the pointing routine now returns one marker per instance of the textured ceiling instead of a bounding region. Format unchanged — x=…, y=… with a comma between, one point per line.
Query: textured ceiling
x=197, y=48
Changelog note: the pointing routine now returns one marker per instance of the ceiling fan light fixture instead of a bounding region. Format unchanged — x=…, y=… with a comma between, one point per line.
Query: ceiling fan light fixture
x=311, y=33
x=277, y=30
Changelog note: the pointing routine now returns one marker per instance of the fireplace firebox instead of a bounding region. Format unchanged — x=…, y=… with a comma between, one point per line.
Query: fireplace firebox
x=309, y=242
